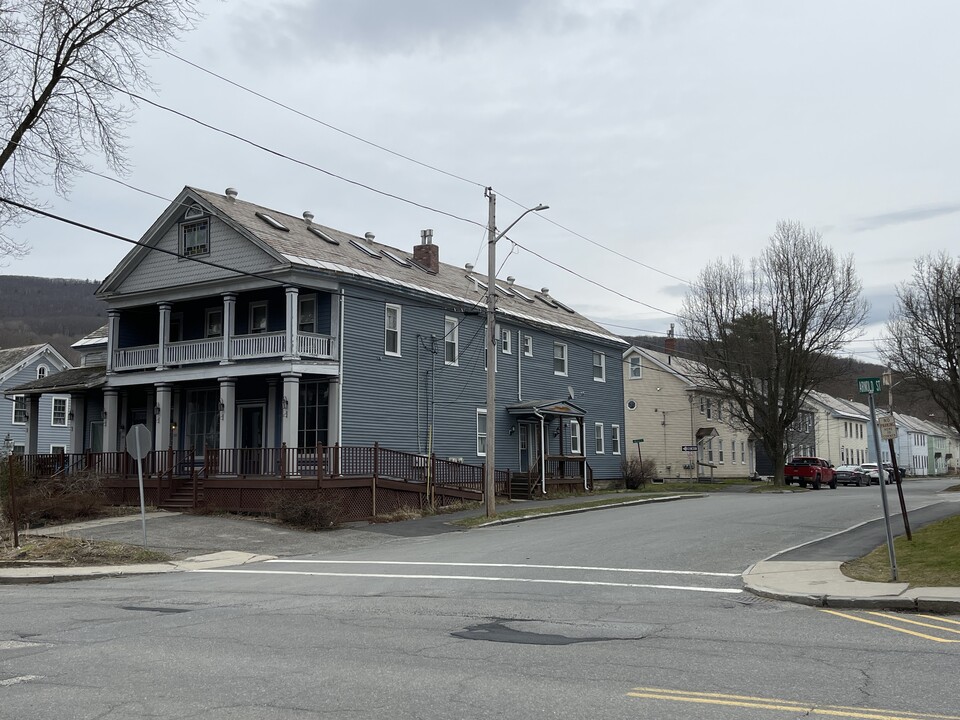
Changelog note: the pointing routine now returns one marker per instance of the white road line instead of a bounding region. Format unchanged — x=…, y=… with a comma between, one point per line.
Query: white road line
x=474, y=578
x=20, y=644
x=509, y=565
x=20, y=679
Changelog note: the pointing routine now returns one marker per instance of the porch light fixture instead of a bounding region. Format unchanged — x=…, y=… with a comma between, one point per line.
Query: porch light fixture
x=156, y=411
x=103, y=415
x=556, y=433
x=513, y=429
x=221, y=407
x=285, y=404
x=70, y=417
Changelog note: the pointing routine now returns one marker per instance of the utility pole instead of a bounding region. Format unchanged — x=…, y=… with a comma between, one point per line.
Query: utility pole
x=489, y=475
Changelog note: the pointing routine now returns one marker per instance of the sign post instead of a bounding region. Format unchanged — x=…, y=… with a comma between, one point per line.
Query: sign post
x=138, y=445
x=888, y=432
x=870, y=387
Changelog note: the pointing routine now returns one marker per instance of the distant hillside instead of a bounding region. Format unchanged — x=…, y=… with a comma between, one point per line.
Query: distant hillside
x=907, y=398
x=48, y=310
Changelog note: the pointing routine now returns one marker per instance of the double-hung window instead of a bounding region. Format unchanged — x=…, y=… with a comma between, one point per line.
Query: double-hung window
x=528, y=345
x=574, y=438
x=599, y=367
x=506, y=341
x=636, y=367
x=598, y=438
x=58, y=412
x=19, y=409
x=481, y=432
x=615, y=439
x=720, y=451
x=391, y=330
x=451, y=350
x=559, y=358
x=258, y=317
x=41, y=372
x=307, y=314
x=214, y=323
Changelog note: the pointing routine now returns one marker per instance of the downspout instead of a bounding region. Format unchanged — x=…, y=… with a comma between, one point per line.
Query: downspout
x=583, y=452
x=543, y=453
x=340, y=394
x=419, y=443
x=519, y=365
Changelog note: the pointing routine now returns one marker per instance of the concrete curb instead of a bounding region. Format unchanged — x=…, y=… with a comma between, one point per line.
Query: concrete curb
x=575, y=511
x=47, y=574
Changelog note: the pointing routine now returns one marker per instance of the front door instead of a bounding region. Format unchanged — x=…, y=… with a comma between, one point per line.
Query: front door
x=529, y=444
x=251, y=439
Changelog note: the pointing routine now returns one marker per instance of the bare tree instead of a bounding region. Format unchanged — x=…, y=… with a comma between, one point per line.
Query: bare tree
x=922, y=341
x=64, y=67
x=764, y=330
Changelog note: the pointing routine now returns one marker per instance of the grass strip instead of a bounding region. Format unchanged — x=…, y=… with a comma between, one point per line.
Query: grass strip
x=932, y=559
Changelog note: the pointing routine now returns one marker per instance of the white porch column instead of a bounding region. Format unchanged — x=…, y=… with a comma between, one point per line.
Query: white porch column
x=164, y=335
x=33, y=426
x=229, y=323
x=333, y=413
x=290, y=410
x=228, y=416
x=293, y=351
x=77, y=423
x=271, y=439
x=110, y=419
x=161, y=432
x=113, y=330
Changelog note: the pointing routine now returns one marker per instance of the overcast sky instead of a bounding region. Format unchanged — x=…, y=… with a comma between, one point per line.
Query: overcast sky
x=671, y=132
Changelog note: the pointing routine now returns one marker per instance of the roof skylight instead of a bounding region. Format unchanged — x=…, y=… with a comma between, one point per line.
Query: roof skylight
x=272, y=222
x=363, y=248
x=322, y=235
x=396, y=258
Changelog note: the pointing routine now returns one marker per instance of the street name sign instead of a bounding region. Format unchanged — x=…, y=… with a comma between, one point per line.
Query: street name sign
x=866, y=386
x=689, y=448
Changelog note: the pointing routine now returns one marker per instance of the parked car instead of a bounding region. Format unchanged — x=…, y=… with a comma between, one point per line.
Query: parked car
x=851, y=475
x=873, y=472
x=888, y=467
x=809, y=471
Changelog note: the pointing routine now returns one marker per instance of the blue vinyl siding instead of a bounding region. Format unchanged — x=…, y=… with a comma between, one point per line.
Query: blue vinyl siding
x=47, y=434
x=388, y=399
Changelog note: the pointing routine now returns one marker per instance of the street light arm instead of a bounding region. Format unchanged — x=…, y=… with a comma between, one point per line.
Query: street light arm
x=538, y=208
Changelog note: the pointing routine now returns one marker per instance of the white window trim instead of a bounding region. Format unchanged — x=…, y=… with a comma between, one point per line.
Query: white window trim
x=194, y=251
x=506, y=340
x=386, y=329
x=41, y=371
x=58, y=447
x=528, y=345
x=66, y=410
x=598, y=446
x=602, y=366
x=206, y=322
x=638, y=366
x=481, y=412
x=566, y=359
x=452, y=336
x=720, y=451
x=253, y=307
x=575, y=437
x=615, y=440
x=13, y=410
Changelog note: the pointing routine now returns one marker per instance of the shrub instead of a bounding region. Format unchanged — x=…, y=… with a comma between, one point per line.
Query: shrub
x=312, y=510
x=41, y=501
x=635, y=474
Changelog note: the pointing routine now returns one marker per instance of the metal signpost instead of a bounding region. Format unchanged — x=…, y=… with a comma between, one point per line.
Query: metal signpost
x=870, y=387
x=888, y=432
x=637, y=442
x=138, y=445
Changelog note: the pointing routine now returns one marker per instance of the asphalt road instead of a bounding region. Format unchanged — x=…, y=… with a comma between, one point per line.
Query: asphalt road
x=626, y=613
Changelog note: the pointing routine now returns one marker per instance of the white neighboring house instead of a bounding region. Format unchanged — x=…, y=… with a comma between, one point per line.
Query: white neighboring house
x=34, y=423
x=668, y=409
x=841, y=430
x=911, y=445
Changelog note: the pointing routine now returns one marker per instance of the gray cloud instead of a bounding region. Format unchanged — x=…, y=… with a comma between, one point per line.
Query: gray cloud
x=901, y=217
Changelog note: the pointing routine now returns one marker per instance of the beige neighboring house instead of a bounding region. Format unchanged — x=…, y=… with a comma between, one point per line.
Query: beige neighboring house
x=841, y=430
x=667, y=408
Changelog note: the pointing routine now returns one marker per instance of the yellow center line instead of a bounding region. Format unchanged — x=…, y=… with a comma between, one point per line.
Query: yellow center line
x=888, y=627
x=747, y=701
x=898, y=618
x=941, y=619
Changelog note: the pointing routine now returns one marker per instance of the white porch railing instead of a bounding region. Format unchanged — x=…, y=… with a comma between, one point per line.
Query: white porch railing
x=194, y=351
x=244, y=347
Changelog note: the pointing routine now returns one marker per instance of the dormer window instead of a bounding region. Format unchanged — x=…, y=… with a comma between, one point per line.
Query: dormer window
x=195, y=238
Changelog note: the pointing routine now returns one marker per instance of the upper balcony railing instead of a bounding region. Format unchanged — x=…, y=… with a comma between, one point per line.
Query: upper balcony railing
x=210, y=350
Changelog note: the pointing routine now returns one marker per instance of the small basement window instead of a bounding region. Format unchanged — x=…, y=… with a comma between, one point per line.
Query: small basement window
x=272, y=222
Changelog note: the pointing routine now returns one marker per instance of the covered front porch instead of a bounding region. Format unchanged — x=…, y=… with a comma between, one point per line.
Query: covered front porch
x=550, y=442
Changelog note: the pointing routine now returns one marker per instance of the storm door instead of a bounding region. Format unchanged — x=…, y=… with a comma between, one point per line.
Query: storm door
x=251, y=434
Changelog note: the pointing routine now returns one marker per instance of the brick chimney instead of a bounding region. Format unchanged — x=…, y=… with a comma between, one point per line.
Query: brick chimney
x=670, y=342
x=426, y=254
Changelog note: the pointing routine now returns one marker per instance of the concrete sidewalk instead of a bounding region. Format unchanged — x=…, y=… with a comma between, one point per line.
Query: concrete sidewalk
x=810, y=574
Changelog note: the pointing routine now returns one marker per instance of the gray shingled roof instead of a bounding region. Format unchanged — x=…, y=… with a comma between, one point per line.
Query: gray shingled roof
x=13, y=356
x=301, y=247
x=77, y=379
x=97, y=337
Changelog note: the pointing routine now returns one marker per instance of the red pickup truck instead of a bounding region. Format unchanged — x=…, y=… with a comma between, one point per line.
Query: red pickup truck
x=809, y=470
